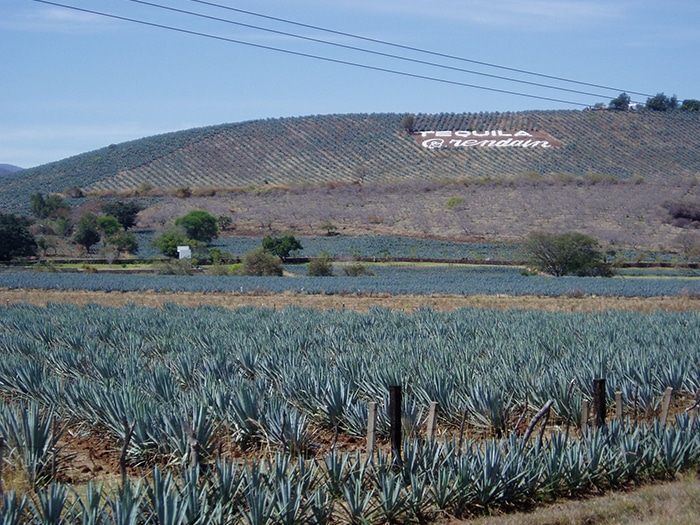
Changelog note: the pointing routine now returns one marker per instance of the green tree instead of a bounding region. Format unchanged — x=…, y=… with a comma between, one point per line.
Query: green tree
x=690, y=104
x=125, y=212
x=124, y=242
x=15, y=238
x=282, y=247
x=168, y=241
x=53, y=205
x=86, y=232
x=260, y=262
x=108, y=225
x=569, y=253
x=63, y=226
x=199, y=225
x=661, y=102
x=407, y=122
x=321, y=266
x=622, y=102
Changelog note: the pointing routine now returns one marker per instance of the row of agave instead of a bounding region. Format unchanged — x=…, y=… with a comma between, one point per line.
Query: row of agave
x=266, y=377
x=399, y=280
x=432, y=479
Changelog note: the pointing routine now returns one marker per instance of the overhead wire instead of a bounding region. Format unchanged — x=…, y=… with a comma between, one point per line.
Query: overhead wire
x=364, y=50
x=416, y=49
x=299, y=53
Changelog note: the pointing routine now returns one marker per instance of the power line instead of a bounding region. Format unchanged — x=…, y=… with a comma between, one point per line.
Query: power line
x=308, y=55
x=417, y=49
x=369, y=51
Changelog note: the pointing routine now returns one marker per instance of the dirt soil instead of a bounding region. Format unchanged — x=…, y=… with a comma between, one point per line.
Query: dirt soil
x=408, y=303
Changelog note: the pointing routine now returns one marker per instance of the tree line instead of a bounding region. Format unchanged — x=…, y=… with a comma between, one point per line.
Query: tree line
x=659, y=102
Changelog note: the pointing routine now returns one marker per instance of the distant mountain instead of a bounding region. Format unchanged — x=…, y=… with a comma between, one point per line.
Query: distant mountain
x=8, y=168
x=327, y=149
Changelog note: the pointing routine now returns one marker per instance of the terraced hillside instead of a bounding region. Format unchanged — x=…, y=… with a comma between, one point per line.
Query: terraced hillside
x=376, y=148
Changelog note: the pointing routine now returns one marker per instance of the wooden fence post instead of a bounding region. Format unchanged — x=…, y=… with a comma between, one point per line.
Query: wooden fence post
x=128, y=432
x=599, y=404
x=371, y=427
x=2, y=448
x=584, y=417
x=618, y=406
x=666, y=404
x=193, y=443
x=432, y=421
x=395, y=419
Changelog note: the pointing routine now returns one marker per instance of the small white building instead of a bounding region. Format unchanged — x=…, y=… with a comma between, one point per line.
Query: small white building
x=184, y=252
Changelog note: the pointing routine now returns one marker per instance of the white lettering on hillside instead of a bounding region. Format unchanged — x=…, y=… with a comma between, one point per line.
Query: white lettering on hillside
x=484, y=139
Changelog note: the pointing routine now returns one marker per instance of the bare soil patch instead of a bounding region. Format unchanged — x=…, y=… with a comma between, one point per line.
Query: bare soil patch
x=408, y=303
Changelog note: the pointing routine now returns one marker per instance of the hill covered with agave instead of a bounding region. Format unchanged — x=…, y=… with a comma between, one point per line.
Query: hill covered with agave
x=380, y=148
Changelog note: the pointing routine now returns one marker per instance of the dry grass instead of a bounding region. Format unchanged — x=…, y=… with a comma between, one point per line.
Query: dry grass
x=676, y=503
x=407, y=303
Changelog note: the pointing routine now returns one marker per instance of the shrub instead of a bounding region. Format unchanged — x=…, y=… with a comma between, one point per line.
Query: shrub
x=175, y=267
x=570, y=253
x=260, y=262
x=357, y=270
x=453, y=202
x=320, y=266
x=218, y=270
x=683, y=212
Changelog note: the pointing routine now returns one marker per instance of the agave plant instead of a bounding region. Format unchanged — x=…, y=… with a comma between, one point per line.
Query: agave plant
x=91, y=508
x=12, y=508
x=127, y=506
x=33, y=436
x=49, y=505
x=166, y=506
x=193, y=439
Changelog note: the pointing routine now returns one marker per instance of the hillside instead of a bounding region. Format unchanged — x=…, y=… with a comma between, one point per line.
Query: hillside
x=8, y=168
x=376, y=148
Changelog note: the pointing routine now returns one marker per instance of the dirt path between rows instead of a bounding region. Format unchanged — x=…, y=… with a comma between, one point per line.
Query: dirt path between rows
x=408, y=303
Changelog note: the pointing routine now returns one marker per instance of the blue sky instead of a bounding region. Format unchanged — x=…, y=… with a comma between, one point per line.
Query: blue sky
x=72, y=82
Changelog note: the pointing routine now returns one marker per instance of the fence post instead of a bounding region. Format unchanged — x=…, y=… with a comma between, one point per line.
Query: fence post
x=395, y=419
x=666, y=404
x=371, y=427
x=2, y=448
x=432, y=421
x=618, y=406
x=193, y=443
x=599, y=405
x=584, y=417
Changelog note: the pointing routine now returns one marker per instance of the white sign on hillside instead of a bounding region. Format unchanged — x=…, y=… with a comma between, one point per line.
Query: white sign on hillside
x=485, y=139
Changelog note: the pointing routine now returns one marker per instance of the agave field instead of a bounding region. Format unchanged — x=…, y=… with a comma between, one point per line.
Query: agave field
x=257, y=416
x=393, y=279
x=374, y=148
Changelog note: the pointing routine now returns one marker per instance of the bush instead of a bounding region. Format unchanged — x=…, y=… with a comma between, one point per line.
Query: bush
x=683, y=212
x=175, y=267
x=218, y=270
x=357, y=270
x=260, y=262
x=320, y=267
x=570, y=253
